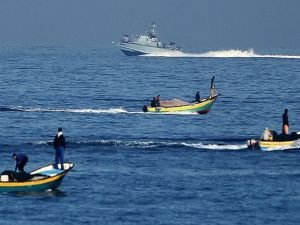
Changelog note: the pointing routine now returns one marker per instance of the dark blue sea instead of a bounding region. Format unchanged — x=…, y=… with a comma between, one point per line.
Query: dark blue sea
x=138, y=168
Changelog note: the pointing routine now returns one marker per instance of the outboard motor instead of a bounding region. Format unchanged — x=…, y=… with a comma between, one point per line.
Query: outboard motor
x=252, y=144
x=145, y=108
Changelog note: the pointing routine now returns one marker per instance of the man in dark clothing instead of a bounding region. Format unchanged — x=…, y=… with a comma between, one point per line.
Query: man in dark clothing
x=285, y=122
x=59, y=145
x=153, y=102
x=212, y=87
x=212, y=83
x=197, y=97
x=157, y=101
x=21, y=160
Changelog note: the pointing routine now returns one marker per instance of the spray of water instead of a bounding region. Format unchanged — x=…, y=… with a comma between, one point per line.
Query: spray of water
x=232, y=53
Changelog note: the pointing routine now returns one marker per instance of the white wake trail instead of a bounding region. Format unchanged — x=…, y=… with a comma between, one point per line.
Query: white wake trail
x=231, y=53
x=111, y=110
x=218, y=146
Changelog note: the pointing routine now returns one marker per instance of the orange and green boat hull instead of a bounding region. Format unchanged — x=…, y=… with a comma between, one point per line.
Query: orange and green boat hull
x=200, y=108
x=50, y=180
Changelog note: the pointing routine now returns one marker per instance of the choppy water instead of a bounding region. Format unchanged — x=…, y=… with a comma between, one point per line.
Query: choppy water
x=137, y=168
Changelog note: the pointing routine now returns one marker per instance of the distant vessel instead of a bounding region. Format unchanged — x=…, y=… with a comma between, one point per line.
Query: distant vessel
x=147, y=43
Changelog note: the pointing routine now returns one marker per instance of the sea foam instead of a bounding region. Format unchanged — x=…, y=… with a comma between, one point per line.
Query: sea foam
x=231, y=53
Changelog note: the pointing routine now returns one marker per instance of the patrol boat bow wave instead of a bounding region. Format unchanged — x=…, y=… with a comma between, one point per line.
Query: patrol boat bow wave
x=147, y=43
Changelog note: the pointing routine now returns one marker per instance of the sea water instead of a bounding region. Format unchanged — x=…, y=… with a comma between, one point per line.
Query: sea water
x=138, y=168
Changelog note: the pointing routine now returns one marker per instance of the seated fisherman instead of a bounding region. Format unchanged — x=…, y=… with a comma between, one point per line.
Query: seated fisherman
x=267, y=135
x=153, y=102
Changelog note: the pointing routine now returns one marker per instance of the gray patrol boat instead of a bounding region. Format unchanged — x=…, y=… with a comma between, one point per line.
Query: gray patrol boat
x=147, y=43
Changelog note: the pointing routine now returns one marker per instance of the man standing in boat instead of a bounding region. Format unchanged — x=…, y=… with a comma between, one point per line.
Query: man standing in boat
x=285, y=122
x=59, y=145
x=212, y=87
x=197, y=96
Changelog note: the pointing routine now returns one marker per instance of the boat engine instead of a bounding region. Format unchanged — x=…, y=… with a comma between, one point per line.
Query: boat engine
x=145, y=108
x=252, y=144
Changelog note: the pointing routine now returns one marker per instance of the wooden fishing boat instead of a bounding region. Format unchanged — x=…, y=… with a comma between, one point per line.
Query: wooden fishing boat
x=202, y=107
x=273, y=145
x=275, y=142
x=42, y=179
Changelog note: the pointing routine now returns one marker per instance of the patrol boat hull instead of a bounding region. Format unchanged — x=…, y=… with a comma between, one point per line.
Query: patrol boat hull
x=131, y=49
x=147, y=43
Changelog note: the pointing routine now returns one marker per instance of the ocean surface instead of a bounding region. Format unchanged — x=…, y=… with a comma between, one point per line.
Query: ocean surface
x=141, y=168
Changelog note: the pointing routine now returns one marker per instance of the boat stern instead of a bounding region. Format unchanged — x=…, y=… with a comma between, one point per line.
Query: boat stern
x=252, y=144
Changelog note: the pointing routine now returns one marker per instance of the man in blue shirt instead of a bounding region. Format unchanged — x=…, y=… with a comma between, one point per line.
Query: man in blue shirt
x=21, y=160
